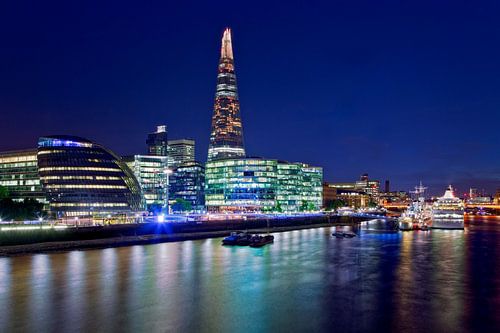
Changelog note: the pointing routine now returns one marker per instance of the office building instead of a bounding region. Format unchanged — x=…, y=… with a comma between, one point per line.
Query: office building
x=187, y=187
x=19, y=175
x=157, y=141
x=82, y=178
x=180, y=152
x=370, y=187
x=150, y=172
x=226, y=137
x=262, y=185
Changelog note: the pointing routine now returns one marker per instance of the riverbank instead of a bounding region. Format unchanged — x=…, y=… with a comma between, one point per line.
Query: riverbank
x=63, y=246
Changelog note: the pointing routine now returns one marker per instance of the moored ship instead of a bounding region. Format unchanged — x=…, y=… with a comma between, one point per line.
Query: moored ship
x=417, y=216
x=448, y=211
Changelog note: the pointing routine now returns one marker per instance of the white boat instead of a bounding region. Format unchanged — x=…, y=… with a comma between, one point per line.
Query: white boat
x=448, y=211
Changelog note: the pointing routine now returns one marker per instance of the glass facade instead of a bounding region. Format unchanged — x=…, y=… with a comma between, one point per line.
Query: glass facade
x=82, y=178
x=180, y=152
x=259, y=185
x=187, y=183
x=226, y=137
x=150, y=173
x=19, y=174
x=157, y=142
x=299, y=187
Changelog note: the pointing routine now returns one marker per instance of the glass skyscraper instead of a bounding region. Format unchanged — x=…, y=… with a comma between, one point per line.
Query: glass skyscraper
x=226, y=137
x=149, y=171
x=180, y=152
x=157, y=142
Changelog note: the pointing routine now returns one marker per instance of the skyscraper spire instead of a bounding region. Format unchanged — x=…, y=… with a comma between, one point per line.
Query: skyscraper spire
x=226, y=137
x=226, y=50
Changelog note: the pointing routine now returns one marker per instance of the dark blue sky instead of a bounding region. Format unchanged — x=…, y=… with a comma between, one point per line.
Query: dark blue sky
x=405, y=92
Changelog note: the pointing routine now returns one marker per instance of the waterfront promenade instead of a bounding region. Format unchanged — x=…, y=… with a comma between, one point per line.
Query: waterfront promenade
x=18, y=242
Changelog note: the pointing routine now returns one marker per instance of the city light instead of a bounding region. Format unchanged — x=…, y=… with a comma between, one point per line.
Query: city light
x=161, y=218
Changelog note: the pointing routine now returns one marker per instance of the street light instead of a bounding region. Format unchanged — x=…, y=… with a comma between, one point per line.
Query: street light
x=167, y=173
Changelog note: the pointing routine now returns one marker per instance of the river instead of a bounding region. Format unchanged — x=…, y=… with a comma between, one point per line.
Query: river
x=434, y=281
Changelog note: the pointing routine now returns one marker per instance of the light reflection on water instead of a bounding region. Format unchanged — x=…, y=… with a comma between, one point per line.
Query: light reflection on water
x=306, y=281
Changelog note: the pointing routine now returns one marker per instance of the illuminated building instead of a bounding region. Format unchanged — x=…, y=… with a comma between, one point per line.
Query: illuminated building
x=260, y=185
x=226, y=137
x=19, y=174
x=180, y=152
x=149, y=171
x=349, y=193
x=157, y=141
x=299, y=187
x=497, y=197
x=82, y=178
x=370, y=187
x=187, y=183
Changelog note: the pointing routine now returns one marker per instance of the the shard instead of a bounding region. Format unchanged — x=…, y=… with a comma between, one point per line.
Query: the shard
x=226, y=137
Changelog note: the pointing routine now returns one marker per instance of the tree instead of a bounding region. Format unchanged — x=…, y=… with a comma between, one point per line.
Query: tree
x=182, y=205
x=4, y=192
x=303, y=207
x=28, y=209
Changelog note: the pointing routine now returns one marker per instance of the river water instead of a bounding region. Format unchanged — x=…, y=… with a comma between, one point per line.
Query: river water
x=433, y=281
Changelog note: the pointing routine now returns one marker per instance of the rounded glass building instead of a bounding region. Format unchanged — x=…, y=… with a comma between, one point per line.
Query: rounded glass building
x=82, y=178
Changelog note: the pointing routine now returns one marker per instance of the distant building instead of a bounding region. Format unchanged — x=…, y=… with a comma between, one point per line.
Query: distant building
x=353, y=198
x=347, y=193
x=329, y=195
x=180, y=152
x=82, y=178
x=157, y=142
x=19, y=174
x=226, y=136
x=394, y=196
x=187, y=183
x=259, y=185
x=370, y=187
x=387, y=187
x=150, y=172
x=497, y=197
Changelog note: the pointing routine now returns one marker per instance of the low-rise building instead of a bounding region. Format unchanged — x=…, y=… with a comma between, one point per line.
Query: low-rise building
x=19, y=175
x=259, y=185
x=346, y=193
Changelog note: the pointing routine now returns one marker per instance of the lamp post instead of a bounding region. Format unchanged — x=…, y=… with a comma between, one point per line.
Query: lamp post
x=166, y=205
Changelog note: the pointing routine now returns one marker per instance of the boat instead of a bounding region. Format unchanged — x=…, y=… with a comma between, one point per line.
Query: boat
x=417, y=215
x=260, y=241
x=341, y=234
x=349, y=234
x=448, y=211
x=338, y=234
x=237, y=238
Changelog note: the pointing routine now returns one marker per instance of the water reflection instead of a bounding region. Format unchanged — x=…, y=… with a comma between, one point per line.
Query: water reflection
x=306, y=281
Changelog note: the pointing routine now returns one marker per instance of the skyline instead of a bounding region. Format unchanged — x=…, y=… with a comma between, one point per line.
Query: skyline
x=352, y=87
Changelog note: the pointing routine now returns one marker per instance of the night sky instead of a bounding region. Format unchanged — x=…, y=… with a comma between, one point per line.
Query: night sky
x=402, y=91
